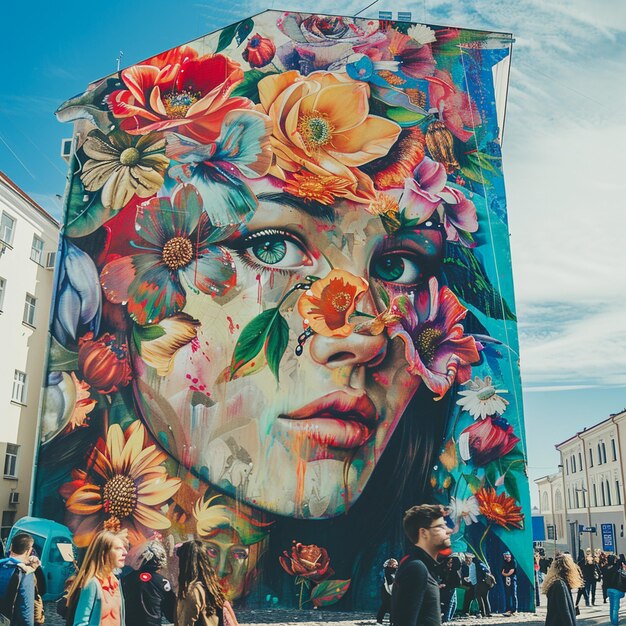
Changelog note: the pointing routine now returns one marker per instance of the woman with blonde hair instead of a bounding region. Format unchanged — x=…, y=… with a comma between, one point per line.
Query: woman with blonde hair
x=94, y=597
x=201, y=601
x=562, y=577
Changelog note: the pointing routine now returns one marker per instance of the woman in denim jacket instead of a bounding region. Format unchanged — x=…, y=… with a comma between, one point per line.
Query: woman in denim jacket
x=95, y=598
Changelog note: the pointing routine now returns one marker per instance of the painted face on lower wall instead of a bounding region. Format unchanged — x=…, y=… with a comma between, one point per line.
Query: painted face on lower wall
x=290, y=392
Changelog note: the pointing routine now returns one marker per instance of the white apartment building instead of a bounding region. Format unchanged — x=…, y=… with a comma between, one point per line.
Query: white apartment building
x=28, y=244
x=552, y=508
x=592, y=508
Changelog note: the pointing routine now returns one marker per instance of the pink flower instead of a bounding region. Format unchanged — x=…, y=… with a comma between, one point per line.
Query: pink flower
x=428, y=192
x=259, y=51
x=456, y=109
x=487, y=440
x=436, y=348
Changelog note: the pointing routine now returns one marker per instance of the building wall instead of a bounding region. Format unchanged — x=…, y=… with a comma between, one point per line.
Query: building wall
x=24, y=340
x=593, y=473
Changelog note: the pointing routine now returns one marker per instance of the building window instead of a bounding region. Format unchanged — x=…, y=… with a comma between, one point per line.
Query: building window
x=603, y=494
x=573, y=464
x=36, y=252
x=7, y=228
x=580, y=460
x=569, y=499
x=10, y=460
x=19, y=387
x=3, y=286
x=8, y=519
x=608, y=493
x=29, y=310
x=595, y=495
x=558, y=500
x=567, y=466
x=599, y=455
x=613, y=449
x=618, y=492
x=544, y=502
x=603, y=453
x=590, y=457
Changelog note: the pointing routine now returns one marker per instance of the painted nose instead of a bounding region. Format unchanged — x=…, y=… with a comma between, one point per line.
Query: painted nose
x=352, y=350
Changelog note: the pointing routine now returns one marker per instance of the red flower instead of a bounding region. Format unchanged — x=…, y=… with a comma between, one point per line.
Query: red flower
x=487, y=440
x=178, y=90
x=326, y=307
x=259, y=51
x=310, y=562
x=436, y=347
x=456, y=108
x=501, y=509
x=104, y=362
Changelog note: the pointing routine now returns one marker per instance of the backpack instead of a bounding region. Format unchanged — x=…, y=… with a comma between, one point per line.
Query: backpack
x=490, y=580
x=7, y=602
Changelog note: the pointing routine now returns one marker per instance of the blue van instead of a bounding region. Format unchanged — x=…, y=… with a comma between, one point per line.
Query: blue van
x=48, y=535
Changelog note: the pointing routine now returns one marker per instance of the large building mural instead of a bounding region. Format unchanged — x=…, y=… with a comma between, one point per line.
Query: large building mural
x=284, y=307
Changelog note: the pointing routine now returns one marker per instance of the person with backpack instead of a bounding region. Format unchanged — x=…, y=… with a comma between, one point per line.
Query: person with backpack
x=616, y=587
x=18, y=583
x=147, y=593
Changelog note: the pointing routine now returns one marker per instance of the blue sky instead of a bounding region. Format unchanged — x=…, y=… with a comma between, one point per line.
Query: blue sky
x=563, y=159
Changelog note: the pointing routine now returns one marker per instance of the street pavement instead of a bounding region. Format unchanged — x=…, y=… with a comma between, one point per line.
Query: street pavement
x=590, y=616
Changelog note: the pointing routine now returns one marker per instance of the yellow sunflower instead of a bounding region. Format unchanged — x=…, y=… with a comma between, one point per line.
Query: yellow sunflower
x=125, y=487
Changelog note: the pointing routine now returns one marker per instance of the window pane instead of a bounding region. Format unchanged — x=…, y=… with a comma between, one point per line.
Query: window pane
x=36, y=253
x=29, y=309
x=3, y=284
x=7, y=225
x=19, y=387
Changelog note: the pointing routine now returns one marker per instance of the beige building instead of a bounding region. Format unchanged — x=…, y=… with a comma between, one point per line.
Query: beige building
x=28, y=244
x=591, y=508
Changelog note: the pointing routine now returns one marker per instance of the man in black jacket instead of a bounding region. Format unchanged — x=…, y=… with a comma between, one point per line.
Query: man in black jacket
x=415, y=595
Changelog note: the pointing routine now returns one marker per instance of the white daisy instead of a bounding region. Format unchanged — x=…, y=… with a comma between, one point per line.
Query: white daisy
x=422, y=34
x=466, y=510
x=482, y=399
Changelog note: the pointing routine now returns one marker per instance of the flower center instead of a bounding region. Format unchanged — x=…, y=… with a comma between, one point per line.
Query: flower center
x=341, y=301
x=315, y=129
x=177, y=103
x=427, y=342
x=486, y=393
x=119, y=496
x=497, y=510
x=177, y=253
x=130, y=156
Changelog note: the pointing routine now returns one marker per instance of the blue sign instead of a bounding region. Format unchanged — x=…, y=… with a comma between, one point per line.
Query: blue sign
x=539, y=533
x=608, y=537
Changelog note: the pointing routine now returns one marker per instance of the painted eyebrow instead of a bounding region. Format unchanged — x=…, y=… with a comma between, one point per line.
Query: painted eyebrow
x=312, y=207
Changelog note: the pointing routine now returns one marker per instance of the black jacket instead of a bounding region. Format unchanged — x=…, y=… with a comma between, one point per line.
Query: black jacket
x=148, y=595
x=561, y=610
x=415, y=597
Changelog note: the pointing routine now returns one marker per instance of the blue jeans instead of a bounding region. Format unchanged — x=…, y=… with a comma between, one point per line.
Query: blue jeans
x=614, y=599
x=510, y=596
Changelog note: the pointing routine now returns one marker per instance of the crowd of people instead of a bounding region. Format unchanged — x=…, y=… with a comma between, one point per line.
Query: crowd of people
x=421, y=589
x=99, y=596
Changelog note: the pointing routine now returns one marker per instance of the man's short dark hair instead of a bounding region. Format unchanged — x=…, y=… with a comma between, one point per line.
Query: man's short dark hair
x=21, y=543
x=421, y=516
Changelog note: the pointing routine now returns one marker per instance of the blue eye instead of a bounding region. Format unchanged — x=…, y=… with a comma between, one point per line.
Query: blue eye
x=395, y=267
x=273, y=249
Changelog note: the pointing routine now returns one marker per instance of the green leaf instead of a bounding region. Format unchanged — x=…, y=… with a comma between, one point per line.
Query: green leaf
x=473, y=482
x=61, y=359
x=510, y=485
x=243, y=30
x=404, y=117
x=467, y=279
x=329, y=592
x=226, y=36
x=491, y=474
x=516, y=454
x=268, y=333
x=248, y=87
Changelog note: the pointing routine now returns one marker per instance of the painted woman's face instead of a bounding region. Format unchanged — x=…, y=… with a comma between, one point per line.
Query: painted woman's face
x=303, y=443
x=230, y=560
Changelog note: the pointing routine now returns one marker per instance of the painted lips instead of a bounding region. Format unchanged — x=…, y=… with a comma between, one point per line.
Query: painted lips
x=339, y=420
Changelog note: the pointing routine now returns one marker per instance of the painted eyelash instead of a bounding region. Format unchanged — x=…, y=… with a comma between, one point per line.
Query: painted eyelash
x=245, y=241
x=257, y=267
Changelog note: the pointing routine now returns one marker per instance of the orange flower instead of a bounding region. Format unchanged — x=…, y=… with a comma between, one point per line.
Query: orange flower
x=388, y=317
x=321, y=123
x=501, y=509
x=323, y=189
x=125, y=490
x=104, y=362
x=326, y=307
